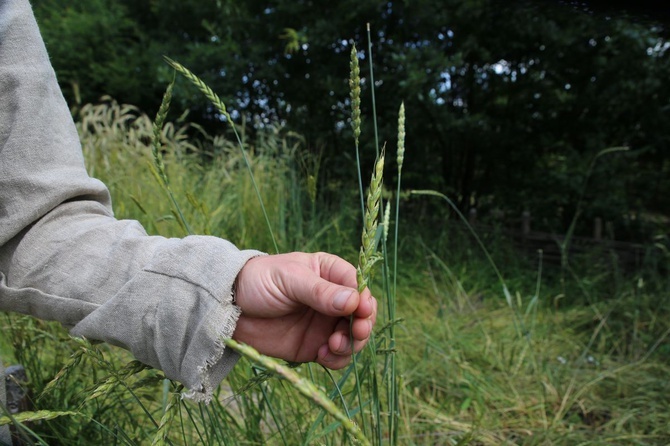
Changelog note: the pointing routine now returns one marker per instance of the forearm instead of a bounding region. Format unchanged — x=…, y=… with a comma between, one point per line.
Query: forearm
x=168, y=301
x=63, y=255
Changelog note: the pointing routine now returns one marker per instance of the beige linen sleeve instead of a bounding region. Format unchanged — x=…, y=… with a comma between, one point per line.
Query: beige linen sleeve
x=63, y=255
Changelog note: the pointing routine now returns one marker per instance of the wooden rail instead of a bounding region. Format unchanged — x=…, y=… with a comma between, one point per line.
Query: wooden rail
x=554, y=247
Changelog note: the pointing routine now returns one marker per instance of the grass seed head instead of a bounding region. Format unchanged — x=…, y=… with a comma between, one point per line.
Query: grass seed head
x=401, y=136
x=203, y=87
x=172, y=409
x=355, y=93
x=387, y=220
x=365, y=258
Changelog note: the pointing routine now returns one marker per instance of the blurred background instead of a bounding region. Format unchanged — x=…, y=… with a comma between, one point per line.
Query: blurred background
x=509, y=104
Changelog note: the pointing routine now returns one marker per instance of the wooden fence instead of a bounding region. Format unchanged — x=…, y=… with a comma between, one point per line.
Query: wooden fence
x=626, y=255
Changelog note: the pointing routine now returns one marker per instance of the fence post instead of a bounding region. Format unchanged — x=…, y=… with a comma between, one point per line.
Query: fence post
x=472, y=216
x=525, y=223
x=598, y=228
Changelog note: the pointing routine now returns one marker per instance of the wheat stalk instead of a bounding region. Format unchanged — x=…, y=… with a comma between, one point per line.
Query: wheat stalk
x=156, y=133
x=367, y=258
x=401, y=137
x=386, y=221
x=302, y=385
x=355, y=95
x=203, y=87
x=393, y=409
x=156, y=143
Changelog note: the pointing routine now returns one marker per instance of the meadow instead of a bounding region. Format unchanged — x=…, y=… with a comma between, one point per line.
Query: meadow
x=477, y=346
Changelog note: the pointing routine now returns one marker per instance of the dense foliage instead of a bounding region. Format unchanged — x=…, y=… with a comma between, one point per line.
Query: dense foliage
x=508, y=103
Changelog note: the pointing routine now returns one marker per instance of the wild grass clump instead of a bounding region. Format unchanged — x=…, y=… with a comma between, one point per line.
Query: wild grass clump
x=117, y=143
x=565, y=378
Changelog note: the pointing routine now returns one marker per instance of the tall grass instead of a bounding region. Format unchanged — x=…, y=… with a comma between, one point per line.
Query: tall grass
x=117, y=145
x=466, y=363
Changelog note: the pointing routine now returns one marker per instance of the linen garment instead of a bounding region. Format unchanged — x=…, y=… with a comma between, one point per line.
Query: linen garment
x=63, y=255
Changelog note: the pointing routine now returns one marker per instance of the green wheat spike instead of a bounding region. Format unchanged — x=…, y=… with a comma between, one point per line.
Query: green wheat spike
x=355, y=94
x=366, y=257
x=221, y=107
x=156, y=137
x=203, y=87
x=170, y=411
x=401, y=137
x=26, y=417
x=156, y=143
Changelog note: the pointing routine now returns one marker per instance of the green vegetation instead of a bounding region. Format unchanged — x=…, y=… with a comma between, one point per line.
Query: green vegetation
x=507, y=102
x=474, y=362
x=475, y=343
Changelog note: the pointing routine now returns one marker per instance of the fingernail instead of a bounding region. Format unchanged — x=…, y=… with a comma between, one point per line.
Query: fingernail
x=340, y=300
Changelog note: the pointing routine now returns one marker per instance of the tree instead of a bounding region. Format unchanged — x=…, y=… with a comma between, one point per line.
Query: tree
x=507, y=103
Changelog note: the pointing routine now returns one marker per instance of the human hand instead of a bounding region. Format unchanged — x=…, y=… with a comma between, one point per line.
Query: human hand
x=297, y=307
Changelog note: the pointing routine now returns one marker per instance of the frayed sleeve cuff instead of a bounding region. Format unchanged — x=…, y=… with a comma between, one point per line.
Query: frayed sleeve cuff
x=177, y=311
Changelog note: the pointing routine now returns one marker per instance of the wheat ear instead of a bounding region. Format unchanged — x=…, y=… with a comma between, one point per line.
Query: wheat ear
x=366, y=257
x=221, y=107
x=302, y=384
x=130, y=369
x=170, y=411
x=27, y=417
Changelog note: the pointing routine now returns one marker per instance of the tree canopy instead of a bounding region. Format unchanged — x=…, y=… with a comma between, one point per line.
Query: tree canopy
x=508, y=103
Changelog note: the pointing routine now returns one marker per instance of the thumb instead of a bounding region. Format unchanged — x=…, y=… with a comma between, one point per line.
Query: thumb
x=322, y=295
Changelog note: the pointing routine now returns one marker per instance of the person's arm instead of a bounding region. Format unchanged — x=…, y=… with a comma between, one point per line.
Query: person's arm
x=63, y=255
